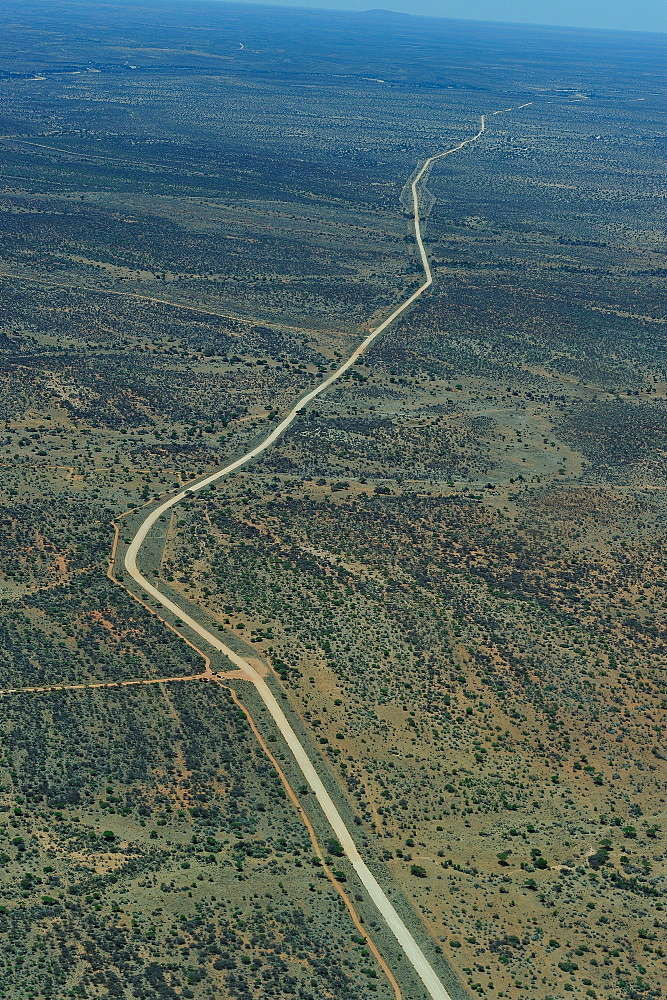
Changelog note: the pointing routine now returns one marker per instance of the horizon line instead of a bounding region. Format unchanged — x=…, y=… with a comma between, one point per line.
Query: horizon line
x=323, y=8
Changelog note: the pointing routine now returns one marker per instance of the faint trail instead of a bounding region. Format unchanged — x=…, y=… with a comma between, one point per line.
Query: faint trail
x=318, y=850
x=92, y=685
x=97, y=290
x=406, y=941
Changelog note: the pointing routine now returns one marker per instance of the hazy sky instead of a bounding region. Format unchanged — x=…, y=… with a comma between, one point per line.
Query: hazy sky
x=626, y=15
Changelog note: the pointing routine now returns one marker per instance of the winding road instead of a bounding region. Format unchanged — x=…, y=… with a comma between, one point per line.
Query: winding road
x=435, y=988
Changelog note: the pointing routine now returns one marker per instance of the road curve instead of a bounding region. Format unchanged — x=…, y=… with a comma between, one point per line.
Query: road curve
x=406, y=941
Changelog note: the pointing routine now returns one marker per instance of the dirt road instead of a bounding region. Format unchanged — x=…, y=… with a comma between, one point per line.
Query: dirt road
x=435, y=988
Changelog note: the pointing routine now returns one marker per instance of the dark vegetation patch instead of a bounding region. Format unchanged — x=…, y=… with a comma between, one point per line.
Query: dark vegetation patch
x=173, y=862
x=621, y=439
